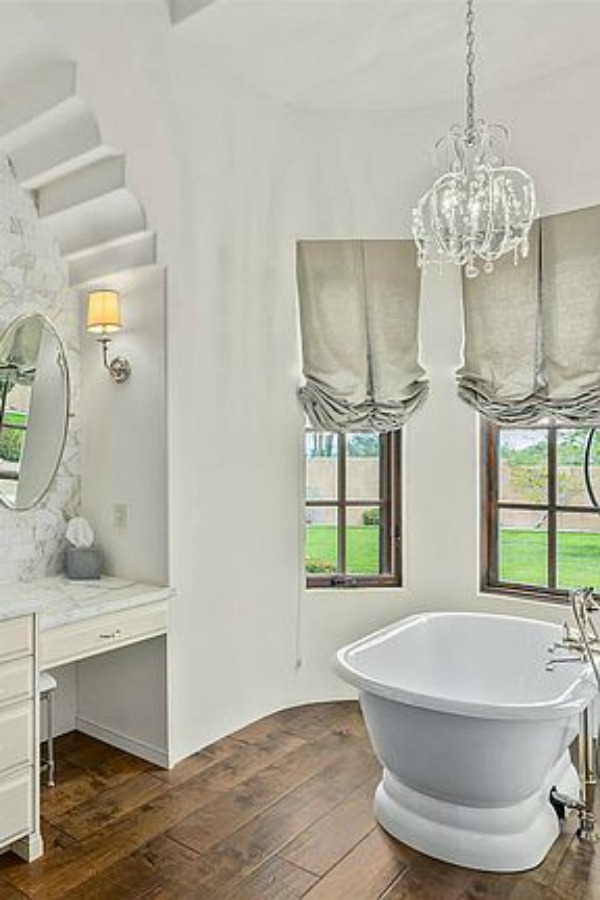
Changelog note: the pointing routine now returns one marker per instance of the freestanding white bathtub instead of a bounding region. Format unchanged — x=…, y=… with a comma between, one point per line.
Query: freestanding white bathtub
x=472, y=732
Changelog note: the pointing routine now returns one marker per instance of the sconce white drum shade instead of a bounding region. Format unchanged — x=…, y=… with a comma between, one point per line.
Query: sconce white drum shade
x=103, y=312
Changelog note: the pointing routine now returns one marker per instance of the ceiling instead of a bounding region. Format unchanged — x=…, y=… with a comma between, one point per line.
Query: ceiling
x=390, y=54
x=24, y=42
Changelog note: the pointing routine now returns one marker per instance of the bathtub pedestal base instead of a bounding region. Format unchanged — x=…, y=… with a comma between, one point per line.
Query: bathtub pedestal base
x=494, y=839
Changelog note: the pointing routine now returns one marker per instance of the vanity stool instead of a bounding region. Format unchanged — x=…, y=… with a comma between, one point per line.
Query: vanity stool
x=47, y=687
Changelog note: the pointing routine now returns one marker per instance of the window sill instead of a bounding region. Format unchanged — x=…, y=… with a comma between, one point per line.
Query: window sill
x=318, y=584
x=330, y=593
x=523, y=592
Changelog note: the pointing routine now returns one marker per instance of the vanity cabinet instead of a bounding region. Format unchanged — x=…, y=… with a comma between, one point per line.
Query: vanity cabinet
x=19, y=800
x=109, y=631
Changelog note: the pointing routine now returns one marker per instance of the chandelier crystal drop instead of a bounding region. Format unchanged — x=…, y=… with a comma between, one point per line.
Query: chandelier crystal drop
x=479, y=209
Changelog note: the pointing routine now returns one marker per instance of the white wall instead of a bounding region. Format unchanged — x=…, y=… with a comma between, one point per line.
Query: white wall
x=124, y=441
x=121, y=696
x=231, y=182
x=234, y=423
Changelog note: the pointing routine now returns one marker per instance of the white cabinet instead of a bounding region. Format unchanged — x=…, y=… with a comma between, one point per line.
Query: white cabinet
x=16, y=680
x=19, y=792
x=16, y=737
x=16, y=805
x=16, y=638
x=109, y=631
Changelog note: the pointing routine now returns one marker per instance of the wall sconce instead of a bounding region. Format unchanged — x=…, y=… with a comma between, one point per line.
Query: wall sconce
x=104, y=318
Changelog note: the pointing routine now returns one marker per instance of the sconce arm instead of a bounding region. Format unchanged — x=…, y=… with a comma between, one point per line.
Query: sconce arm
x=118, y=368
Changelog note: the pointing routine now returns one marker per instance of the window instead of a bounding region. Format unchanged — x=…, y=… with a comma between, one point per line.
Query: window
x=352, y=509
x=541, y=518
x=14, y=405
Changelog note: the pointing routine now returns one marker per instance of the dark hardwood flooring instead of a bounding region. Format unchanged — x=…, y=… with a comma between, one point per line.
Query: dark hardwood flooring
x=278, y=811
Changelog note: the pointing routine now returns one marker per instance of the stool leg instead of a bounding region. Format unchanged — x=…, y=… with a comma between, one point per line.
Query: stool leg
x=50, y=738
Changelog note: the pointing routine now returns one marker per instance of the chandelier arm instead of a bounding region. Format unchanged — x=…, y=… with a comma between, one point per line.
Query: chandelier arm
x=506, y=240
x=440, y=238
x=486, y=250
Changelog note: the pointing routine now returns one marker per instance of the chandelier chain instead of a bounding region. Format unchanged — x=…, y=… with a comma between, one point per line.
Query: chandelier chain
x=470, y=19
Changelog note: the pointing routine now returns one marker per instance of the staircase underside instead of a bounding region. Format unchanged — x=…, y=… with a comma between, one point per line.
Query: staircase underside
x=79, y=183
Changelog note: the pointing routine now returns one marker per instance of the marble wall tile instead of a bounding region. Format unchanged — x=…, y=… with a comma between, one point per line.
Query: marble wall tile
x=34, y=278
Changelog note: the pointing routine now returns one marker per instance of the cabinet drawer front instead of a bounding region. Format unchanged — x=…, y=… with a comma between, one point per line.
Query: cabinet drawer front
x=16, y=737
x=16, y=637
x=16, y=680
x=16, y=806
x=70, y=642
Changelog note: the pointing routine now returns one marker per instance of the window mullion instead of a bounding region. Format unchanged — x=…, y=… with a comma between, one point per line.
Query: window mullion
x=341, y=438
x=395, y=500
x=492, y=478
x=552, y=500
x=384, y=510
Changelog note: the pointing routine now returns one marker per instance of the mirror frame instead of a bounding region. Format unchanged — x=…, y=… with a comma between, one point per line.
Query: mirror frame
x=46, y=323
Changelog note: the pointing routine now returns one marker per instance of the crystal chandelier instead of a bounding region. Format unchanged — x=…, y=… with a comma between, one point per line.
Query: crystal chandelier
x=479, y=209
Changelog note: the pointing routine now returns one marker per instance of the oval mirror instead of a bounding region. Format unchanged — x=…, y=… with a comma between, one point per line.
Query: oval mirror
x=34, y=409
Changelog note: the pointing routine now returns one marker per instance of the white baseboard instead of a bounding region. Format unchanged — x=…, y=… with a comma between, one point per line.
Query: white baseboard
x=149, y=752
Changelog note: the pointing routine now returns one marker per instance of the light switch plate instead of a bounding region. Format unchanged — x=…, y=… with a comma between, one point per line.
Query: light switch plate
x=120, y=515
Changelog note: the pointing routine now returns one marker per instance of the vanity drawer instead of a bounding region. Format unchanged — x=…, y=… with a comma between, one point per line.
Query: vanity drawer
x=16, y=737
x=71, y=642
x=16, y=680
x=16, y=637
x=16, y=804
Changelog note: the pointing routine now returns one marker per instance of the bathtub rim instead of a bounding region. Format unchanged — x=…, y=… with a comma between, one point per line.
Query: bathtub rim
x=571, y=702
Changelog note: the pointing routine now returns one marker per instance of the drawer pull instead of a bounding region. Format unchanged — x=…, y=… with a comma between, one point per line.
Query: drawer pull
x=112, y=636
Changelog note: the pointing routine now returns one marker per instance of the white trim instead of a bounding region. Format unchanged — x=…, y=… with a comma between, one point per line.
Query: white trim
x=157, y=755
x=30, y=847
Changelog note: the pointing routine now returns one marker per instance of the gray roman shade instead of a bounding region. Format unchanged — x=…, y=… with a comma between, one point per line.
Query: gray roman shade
x=532, y=331
x=359, y=314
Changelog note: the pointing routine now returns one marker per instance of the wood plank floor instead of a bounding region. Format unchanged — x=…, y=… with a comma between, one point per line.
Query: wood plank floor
x=278, y=811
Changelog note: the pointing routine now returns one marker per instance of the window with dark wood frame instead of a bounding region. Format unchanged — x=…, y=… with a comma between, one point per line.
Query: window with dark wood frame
x=540, y=514
x=353, y=506
x=13, y=427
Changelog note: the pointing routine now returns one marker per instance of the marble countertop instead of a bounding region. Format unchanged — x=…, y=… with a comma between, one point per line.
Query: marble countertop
x=59, y=601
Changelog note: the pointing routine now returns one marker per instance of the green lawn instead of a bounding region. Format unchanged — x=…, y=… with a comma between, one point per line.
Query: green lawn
x=522, y=554
x=362, y=550
x=523, y=557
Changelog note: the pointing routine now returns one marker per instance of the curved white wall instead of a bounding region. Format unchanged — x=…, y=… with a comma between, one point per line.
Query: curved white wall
x=230, y=180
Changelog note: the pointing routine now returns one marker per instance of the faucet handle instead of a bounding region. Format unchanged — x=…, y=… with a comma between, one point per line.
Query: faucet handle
x=591, y=604
x=584, y=597
x=569, y=635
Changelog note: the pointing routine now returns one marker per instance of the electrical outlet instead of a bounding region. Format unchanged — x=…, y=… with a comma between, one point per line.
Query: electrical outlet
x=120, y=515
